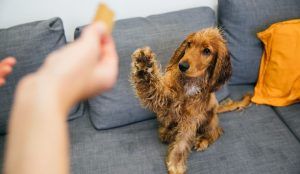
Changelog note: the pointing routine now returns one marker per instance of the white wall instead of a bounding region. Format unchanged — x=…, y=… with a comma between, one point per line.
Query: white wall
x=79, y=12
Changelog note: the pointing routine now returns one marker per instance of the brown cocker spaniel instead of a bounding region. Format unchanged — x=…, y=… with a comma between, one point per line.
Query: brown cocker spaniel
x=184, y=96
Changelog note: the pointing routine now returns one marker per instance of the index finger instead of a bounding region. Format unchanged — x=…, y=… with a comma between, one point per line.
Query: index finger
x=11, y=61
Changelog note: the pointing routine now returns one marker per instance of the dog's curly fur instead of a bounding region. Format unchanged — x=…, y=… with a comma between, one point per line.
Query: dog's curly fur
x=184, y=102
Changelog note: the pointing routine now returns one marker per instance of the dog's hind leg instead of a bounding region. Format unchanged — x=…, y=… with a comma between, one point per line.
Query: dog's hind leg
x=147, y=80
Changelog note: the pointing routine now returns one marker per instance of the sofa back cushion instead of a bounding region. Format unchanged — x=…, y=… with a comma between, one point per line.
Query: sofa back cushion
x=241, y=20
x=163, y=33
x=30, y=43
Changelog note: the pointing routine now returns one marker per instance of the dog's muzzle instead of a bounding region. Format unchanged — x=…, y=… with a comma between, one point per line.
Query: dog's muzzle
x=184, y=66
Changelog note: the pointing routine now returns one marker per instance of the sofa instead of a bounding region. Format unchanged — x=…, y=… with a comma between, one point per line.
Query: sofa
x=111, y=133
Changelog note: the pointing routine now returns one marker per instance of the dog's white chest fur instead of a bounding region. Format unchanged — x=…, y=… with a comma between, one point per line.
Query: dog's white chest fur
x=191, y=90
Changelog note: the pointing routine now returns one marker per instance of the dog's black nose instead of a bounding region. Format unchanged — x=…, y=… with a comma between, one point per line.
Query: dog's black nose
x=183, y=66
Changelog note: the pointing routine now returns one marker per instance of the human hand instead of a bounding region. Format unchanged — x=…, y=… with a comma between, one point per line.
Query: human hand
x=6, y=68
x=81, y=69
x=43, y=99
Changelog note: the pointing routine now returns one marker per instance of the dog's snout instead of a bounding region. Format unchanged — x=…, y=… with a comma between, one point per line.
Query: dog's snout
x=184, y=66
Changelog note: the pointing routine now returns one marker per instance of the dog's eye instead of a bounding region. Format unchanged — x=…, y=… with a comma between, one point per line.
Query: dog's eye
x=206, y=51
x=189, y=44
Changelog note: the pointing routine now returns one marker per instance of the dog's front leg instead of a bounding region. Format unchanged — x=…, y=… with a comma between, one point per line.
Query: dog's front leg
x=179, y=150
x=147, y=80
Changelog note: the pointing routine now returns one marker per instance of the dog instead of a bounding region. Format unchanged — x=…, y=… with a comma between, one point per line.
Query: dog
x=183, y=97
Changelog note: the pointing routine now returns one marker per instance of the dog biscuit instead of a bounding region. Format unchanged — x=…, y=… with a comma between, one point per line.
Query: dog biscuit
x=105, y=15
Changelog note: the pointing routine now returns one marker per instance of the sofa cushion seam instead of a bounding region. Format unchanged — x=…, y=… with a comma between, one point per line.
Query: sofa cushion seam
x=285, y=123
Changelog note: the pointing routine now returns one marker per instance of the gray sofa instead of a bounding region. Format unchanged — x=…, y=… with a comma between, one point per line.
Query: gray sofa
x=111, y=133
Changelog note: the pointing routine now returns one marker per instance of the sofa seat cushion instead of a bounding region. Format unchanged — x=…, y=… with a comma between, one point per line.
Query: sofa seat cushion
x=290, y=115
x=255, y=141
x=163, y=33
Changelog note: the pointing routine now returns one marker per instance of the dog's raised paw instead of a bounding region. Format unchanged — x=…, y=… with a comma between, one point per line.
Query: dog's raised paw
x=143, y=59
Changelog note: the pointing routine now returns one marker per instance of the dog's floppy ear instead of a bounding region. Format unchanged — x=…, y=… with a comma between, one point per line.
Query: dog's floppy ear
x=222, y=67
x=179, y=53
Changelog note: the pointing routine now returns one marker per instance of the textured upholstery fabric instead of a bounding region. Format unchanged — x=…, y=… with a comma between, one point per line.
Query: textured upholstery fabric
x=255, y=141
x=163, y=33
x=291, y=116
x=2, y=148
x=241, y=20
x=30, y=43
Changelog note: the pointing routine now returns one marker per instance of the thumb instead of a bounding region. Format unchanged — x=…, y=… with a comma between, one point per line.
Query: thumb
x=93, y=33
x=90, y=40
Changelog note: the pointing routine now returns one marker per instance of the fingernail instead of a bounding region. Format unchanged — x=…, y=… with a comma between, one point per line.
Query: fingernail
x=101, y=27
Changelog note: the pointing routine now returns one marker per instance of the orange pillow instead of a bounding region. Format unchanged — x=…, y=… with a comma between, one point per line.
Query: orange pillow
x=279, y=75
